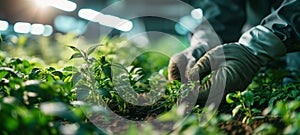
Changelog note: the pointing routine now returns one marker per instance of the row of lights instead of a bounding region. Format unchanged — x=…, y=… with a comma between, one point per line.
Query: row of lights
x=64, y=5
x=88, y=14
x=26, y=28
x=68, y=6
x=186, y=23
x=106, y=20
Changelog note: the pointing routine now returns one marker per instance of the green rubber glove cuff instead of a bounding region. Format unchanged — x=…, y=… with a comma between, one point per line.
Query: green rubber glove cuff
x=263, y=43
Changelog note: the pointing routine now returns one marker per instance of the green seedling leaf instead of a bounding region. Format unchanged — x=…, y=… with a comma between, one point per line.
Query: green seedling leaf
x=11, y=71
x=75, y=49
x=261, y=101
x=69, y=68
x=57, y=73
x=92, y=49
x=3, y=74
x=130, y=69
x=34, y=72
x=76, y=55
x=50, y=69
x=254, y=110
x=78, y=51
x=294, y=93
x=26, y=63
x=272, y=101
x=236, y=110
x=16, y=61
x=248, y=97
x=229, y=98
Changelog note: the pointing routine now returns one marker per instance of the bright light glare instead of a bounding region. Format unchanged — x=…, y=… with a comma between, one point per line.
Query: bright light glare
x=22, y=27
x=48, y=30
x=124, y=25
x=197, y=13
x=64, y=5
x=89, y=14
x=41, y=3
x=106, y=20
x=3, y=25
x=37, y=29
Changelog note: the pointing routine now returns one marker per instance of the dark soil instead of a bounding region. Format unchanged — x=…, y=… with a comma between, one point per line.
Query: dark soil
x=236, y=127
x=120, y=122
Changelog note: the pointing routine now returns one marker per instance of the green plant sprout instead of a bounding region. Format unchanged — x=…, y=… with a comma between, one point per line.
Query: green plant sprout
x=243, y=102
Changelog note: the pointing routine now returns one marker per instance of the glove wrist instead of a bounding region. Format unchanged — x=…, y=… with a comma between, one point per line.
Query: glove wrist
x=263, y=43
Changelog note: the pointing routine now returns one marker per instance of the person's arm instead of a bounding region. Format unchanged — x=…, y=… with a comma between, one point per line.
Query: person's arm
x=285, y=24
x=222, y=19
x=235, y=64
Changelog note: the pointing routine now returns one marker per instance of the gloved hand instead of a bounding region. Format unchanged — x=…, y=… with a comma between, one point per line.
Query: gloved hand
x=182, y=62
x=236, y=63
x=202, y=40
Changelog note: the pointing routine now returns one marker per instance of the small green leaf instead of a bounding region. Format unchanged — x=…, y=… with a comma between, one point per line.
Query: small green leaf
x=3, y=74
x=236, y=110
x=34, y=72
x=57, y=73
x=254, y=110
x=261, y=101
x=69, y=68
x=248, y=97
x=50, y=69
x=74, y=49
x=76, y=55
x=92, y=49
x=11, y=71
x=229, y=98
x=294, y=93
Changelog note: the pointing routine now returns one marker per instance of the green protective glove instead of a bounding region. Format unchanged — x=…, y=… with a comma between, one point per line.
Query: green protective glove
x=181, y=62
x=232, y=66
x=204, y=38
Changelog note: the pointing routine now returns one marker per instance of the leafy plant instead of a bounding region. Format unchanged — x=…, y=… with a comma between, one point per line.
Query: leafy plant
x=242, y=102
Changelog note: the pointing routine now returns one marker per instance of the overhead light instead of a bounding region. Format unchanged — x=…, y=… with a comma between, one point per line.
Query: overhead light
x=89, y=14
x=197, y=13
x=106, y=20
x=64, y=5
x=124, y=25
x=37, y=29
x=3, y=25
x=22, y=27
x=48, y=30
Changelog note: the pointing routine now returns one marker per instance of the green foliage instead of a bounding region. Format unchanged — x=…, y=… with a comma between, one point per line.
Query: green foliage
x=243, y=101
x=36, y=98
